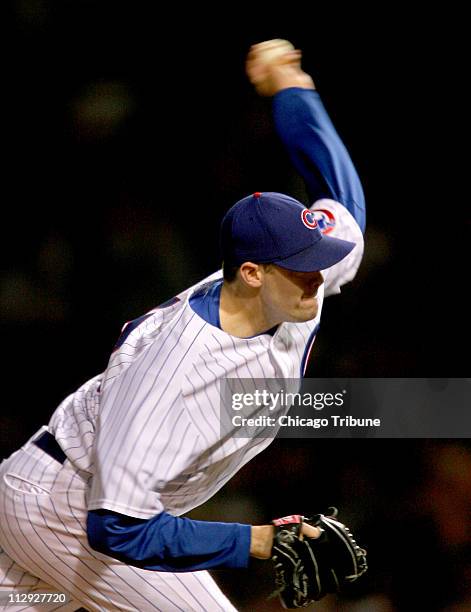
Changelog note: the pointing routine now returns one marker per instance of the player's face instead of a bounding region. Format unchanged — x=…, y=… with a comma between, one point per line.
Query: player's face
x=290, y=296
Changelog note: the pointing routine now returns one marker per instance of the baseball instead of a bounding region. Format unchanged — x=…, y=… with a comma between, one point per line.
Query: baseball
x=271, y=50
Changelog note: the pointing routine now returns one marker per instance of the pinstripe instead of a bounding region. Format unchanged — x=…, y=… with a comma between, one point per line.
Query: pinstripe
x=181, y=445
x=3, y=528
x=209, y=426
x=11, y=565
x=267, y=376
x=215, y=378
x=257, y=357
x=197, y=466
x=296, y=329
x=115, y=389
x=244, y=358
x=76, y=422
x=284, y=361
x=62, y=563
x=21, y=554
x=157, y=425
x=210, y=454
x=210, y=423
x=99, y=562
x=197, y=578
x=55, y=477
x=19, y=578
x=189, y=412
x=25, y=457
x=130, y=569
x=62, y=542
x=86, y=452
x=170, y=459
x=174, y=347
x=142, y=403
x=137, y=574
x=145, y=424
x=70, y=447
x=187, y=589
x=76, y=425
x=208, y=397
x=31, y=523
x=124, y=402
x=225, y=356
x=46, y=467
x=217, y=363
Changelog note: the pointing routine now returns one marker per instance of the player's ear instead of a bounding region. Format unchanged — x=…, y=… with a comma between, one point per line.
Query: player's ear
x=251, y=274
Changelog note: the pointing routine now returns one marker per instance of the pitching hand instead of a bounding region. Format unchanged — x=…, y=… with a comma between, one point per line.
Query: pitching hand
x=274, y=65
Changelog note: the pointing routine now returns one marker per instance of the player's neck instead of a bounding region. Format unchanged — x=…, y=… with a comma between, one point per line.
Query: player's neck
x=241, y=312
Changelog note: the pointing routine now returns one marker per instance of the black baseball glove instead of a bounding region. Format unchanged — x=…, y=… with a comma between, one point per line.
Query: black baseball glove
x=308, y=569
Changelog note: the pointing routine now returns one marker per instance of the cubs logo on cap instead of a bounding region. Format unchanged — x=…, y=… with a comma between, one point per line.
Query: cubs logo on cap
x=308, y=219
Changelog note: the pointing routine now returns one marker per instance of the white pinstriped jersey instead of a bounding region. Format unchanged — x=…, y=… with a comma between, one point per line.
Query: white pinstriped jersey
x=147, y=430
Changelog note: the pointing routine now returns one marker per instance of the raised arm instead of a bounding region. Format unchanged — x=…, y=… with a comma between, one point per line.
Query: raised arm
x=304, y=127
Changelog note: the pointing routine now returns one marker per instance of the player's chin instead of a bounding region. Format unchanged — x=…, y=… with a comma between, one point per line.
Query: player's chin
x=308, y=309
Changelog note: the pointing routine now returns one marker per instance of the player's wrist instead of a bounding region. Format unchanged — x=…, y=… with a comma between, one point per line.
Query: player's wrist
x=278, y=78
x=285, y=77
x=261, y=541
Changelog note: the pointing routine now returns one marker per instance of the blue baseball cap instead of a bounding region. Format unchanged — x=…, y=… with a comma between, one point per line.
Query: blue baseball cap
x=274, y=228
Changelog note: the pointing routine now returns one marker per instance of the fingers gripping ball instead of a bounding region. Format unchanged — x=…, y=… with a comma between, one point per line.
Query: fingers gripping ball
x=263, y=57
x=271, y=50
x=307, y=569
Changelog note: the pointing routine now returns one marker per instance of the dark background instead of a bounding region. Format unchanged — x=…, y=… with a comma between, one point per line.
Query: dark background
x=129, y=129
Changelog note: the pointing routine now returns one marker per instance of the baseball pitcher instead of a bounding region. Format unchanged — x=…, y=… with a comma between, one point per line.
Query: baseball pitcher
x=92, y=505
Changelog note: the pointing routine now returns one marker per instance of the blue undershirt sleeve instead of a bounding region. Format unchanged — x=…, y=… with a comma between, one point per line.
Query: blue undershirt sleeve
x=317, y=151
x=168, y=543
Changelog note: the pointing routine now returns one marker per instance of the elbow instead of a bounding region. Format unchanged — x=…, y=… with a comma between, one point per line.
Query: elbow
x=105, y=534
x=97, y=534
x=123, y=538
